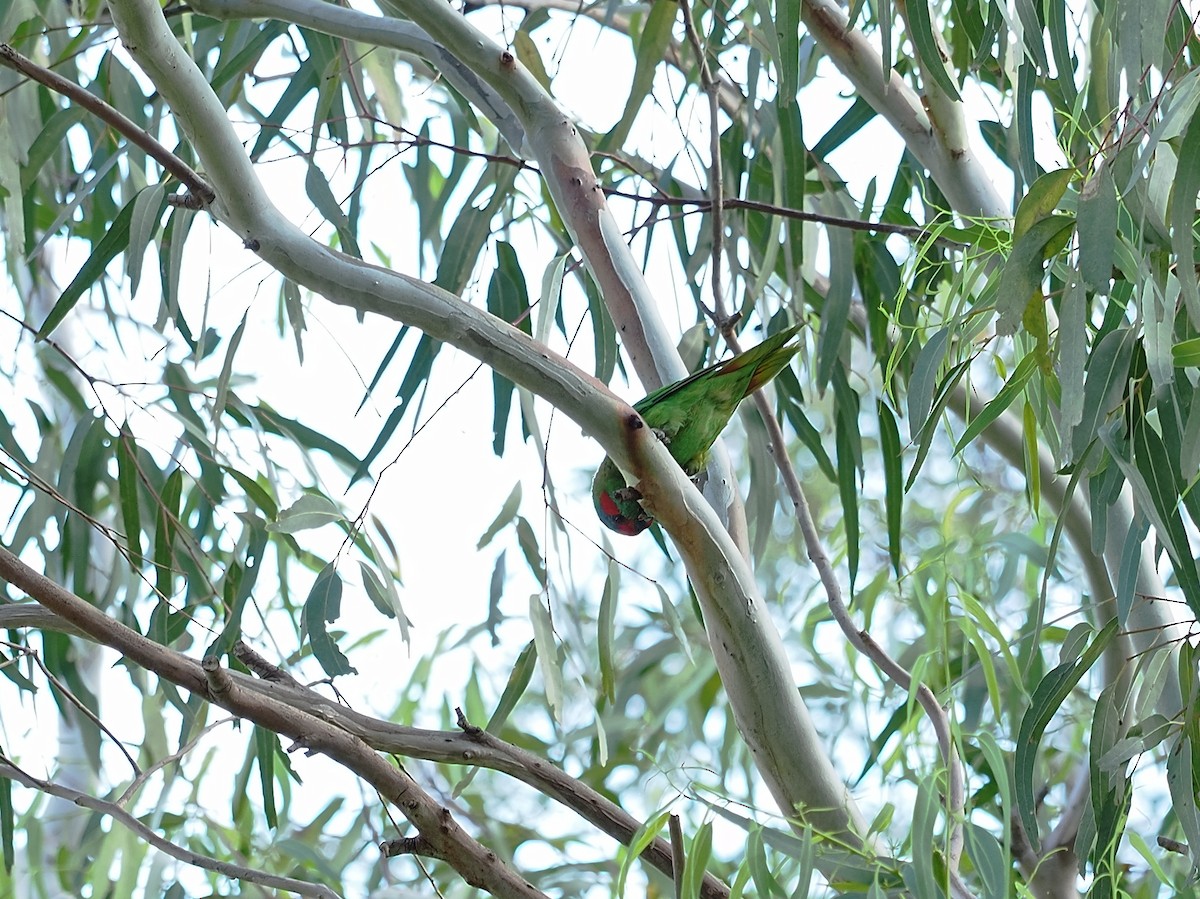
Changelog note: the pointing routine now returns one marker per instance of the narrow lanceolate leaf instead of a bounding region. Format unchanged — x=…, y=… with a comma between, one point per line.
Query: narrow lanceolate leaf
x=265, y=742
x=321, y=194
x=164, y=533
x=148, y=208
x=642, y=838
x=1107, y=373
x=227, y=371
x=921, y=27
x=543, y=638
x=518, y=681
x=1183, y=216
x=1097, y=229
x=1181, y=781
x=893, y=481
x=700, y=851
x=1049, y=695
x=508, y=300
x=651, y=44
x=1160, y=472
x=7, y=821
x=847, y=468
x=923, y=380
x=1021, y=280
x=607, y=624
x=1010, y=391
x=836, y=311
x=787, y=31
x=323, y=606
x=127, y=486
x=105, y=251
x=507, y=512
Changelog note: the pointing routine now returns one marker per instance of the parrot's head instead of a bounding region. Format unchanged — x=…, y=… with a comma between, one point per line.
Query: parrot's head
x=617, y=505
x=610, y=512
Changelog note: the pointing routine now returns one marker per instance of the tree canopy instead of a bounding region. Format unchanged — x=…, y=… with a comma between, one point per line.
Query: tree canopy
x=923, y=625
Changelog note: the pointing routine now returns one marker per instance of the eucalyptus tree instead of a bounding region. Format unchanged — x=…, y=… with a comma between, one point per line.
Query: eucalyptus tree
x=921, y=626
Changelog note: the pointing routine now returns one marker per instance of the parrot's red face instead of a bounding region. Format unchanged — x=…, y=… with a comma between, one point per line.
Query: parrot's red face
x=610, y=514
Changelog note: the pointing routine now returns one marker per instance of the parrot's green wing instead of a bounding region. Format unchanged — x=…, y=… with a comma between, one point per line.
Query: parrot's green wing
x=693, y=412
x=690, y=414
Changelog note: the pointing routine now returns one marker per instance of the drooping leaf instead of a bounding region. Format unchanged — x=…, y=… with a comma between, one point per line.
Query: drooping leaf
x=1049, y=695
x=651, y=43
x=324, y=606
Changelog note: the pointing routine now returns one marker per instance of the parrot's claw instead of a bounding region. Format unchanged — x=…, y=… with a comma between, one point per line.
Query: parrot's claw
x=625, y=494
x=662, y=436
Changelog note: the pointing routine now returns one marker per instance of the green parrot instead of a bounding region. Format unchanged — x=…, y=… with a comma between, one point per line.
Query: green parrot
x=688, y=416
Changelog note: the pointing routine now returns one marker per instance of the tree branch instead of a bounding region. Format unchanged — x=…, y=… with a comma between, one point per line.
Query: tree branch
x=187, y=856
x=202, y=194
x=749, y=653
x=476, y=747
x=477, y=865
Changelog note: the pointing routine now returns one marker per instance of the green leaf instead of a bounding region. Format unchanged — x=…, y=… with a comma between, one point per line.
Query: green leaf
x=508, y=300
x=923, y=380
x=376, y=591
x=148, y=208
x=651, y=44
x=309, y=511
x=1183, y=217
x=514, y=689
x=323, y=606
x=1021, y=279
x=921, y=32
x=419, y=368
x=642, y=838
x=787, y=34
x=1107, y=373
x=1160, y=472
x=989, y=861
x=893, y=480
x=700, y=851
x=607, y=630
x=317, y=187
x=1049, y=695
x=1041, y=200
x=1181, y=782
x=852, y=121
x=543, y=637
x=1097, y=229
x=527, y=52
x=265, y=745
x=836, y=311
x=7, y=821
x=231, y=349
x=1010, y=391
x=1186, y=353
x=164, y=533
x=127, y=488
x=115, y=240
x=920, y=876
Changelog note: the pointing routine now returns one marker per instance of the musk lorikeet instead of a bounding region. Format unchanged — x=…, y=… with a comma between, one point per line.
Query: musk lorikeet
x=689, y=415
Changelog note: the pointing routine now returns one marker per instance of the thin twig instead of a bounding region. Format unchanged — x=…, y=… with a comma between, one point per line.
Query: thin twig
x=227, y=869
x=116, y=119
x=79, y=704
x=712, y=91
